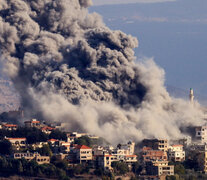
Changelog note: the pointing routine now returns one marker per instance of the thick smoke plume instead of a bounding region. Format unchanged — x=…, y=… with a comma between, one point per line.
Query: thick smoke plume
x=68, y=66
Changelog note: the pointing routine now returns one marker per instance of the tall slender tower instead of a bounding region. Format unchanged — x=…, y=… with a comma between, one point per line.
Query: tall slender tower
x=191, y=96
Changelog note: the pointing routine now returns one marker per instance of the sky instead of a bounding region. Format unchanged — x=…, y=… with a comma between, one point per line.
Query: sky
x=173, y=33
x=107, y=2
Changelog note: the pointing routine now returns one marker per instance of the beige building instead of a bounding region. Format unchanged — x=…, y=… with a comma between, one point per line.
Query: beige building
x=106, y=160
x=176, y=153
x=83, y=153
x=128, y=148
x=163, y=145
x=17, y=142
x=33, y=156
x=156, y=144
x=149, y=154
x=9, y=127
x=205, y=162
x=159, y=168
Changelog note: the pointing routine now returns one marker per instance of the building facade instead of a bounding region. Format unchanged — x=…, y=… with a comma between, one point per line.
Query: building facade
x=176, y=153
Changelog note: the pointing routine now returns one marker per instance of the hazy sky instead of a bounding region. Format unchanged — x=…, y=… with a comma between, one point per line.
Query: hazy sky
x=104, y=2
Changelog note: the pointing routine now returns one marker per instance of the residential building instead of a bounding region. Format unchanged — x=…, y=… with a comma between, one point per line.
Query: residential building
x=129, y=147
x=33, y=156
x=176, y=153
x=201, y=134
x=17, y=142
x=52, y=141
x=9, y=127
x=159, y=168
x=65, y=146
x=28, y=155
x=74, y=135
x=42, y=159
x=148, y=154
x=105, y=161
x=156, y=144
x=38, y=145
x=98, y=151
x=163, y=144
x=83, y=153
x=32, y=123
x=47, y=129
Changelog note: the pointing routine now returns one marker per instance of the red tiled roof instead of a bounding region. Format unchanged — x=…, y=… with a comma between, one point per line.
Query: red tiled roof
x=35, y=122
x=10, y=125
x=82, y=147
x=177, y=145
x=47, y=128
x=52, y=140
x=131, y=155
x=146, y=148
x=16, y=138
x=107, y=155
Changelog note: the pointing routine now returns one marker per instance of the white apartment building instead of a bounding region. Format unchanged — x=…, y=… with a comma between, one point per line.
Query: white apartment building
x=176, y=153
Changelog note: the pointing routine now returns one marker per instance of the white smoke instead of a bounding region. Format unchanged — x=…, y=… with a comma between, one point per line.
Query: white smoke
x=69, y=67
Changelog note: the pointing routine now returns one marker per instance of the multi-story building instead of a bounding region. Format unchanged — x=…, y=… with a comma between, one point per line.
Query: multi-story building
x=105, y=161
x=32, y=123
x=201, y=134
x=129, y=147
x=159, y=168
x=156, y=144
x=149, y=154
x=163, y=144
x=176, y=153
x=83, y=153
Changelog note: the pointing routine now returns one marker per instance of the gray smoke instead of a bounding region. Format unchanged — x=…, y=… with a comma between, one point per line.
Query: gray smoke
x=68, y=66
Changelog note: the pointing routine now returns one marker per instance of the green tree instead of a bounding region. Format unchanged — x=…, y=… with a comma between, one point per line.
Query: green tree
x=84, y=140
x=136, y=168
x=45, y=150
x=62, y=164
x=57, y=134
x=120, y=167
x=170, y=178
x=179, y=169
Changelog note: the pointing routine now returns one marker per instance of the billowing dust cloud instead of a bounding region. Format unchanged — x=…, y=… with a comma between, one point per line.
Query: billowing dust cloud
x=68, y=66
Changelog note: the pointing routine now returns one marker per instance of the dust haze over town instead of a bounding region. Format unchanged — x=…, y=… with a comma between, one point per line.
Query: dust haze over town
x=68, y=66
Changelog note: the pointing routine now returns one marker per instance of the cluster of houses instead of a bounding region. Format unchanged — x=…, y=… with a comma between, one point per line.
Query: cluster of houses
x=154, y=155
